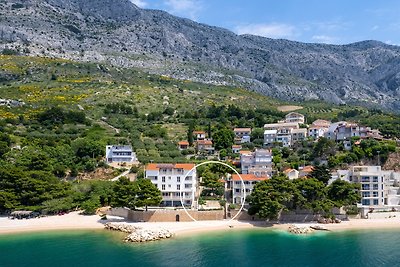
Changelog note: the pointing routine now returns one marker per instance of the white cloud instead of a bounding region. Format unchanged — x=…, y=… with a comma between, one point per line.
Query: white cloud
x=324, y=39
x=273, y=30
x=185, y=8
x=139, y=3
x=374, y=28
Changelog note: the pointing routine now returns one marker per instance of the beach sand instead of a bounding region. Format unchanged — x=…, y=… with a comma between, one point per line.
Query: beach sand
x=74, y=220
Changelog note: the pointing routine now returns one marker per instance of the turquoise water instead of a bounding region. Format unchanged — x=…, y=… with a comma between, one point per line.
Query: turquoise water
x=247, y=248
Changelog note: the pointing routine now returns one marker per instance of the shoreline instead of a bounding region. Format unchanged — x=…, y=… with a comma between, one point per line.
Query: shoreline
x=74, y=221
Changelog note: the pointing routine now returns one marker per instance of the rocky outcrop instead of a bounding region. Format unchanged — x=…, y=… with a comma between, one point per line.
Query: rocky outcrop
x=138, y=234
x=122, y=227
x=144, y=235
x=328, y=220
x=298, y=230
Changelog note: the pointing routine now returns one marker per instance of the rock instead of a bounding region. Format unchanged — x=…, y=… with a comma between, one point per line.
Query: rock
x=121, y=227
x=299, y=230
x=146, y=235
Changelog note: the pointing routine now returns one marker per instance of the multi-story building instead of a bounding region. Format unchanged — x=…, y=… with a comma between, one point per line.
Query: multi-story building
x=282, y=125
x=341, y=131
x=258, y=162
x=269, y=137
x=242, y=135
x=286, y=137
x=295, y=117
x=170, y=180
x=120, y=154
x=298, y=135
x=236, y=148
x=380, y=189
x=240, y=192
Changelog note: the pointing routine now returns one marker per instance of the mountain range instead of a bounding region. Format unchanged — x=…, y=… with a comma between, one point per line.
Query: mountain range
x=119, y=33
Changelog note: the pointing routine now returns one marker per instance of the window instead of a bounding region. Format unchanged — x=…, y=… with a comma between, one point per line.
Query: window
x=163, y=179
x=178, y=179
x=366, y=194
x=237, y=190
x=375, y=179
x=375, y=186
x=365, y=202
x=376, y=202
x=178, y=187
x=163, y=187
x=375, y=194
x=365, y=179
x=365, y=187
x=188, y=186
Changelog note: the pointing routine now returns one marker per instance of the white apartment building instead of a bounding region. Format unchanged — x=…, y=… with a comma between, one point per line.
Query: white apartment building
x=170, y=180
x=240, y=192
x=295, y=117
x=285, y=136
x=120, y=154
x=258, y=163
x=379, y=189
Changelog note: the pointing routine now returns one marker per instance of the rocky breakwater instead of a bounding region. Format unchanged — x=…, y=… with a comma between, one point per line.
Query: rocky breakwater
x=138, y=234
x=145, y=235
x=299, y=230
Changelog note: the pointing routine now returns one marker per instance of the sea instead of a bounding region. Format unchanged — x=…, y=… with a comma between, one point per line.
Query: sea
x=261, y=247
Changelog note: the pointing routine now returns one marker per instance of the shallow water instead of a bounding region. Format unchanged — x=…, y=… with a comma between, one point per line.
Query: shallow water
x=236, y=248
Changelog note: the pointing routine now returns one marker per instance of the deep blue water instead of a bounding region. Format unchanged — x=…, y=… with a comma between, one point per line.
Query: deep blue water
x=245, y=248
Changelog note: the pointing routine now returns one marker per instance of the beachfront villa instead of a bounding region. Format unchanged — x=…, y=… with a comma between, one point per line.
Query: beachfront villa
x=120, y=154
x=239, y=192
x=170, y=180
x=380, y=189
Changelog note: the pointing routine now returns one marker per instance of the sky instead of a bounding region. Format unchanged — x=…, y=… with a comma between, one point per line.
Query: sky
x=311, y=21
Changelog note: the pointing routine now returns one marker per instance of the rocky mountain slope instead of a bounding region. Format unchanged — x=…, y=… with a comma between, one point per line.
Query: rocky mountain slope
x=118, y=32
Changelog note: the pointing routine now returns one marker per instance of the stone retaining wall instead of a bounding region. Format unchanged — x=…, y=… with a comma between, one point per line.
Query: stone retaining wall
x=174, y=215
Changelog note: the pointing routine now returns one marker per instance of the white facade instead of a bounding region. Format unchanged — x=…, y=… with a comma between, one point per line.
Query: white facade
x=316, y=132
x=120, y=154
x=170, y=180
x=295, y=117
x=240, y=192
x=258, y=162
x=379, y=188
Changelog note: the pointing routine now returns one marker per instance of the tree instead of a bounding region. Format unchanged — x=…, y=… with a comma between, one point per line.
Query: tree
x=311, y=194
x=324, y=148
x=124, y=192
x=224, y=138
x=190, y=133
x=270, y=197
x=211, y=180
x=344, y=193
x=147, y=193
x=321, y=173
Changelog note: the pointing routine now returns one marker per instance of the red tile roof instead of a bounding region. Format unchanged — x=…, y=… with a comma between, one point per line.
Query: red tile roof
x=248, y=177
x=204, y=142
x=183, y=143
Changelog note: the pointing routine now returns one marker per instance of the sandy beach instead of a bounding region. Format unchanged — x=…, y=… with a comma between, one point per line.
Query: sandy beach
x=75, y=221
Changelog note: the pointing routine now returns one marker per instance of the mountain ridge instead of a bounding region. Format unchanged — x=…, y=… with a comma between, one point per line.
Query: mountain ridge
x=120, y=33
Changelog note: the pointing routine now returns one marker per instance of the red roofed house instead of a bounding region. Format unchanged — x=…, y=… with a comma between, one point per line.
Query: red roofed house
x=205, y=146
x=170, y=179
x=183, y=145
x=291, y=173
x=236, y=148
x=305, y=171
x=239, y=193
x=199, y=135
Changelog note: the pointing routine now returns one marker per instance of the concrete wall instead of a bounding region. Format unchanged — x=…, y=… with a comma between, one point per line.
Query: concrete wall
x=172, y=215
x=121, y=212
x=383, y=215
